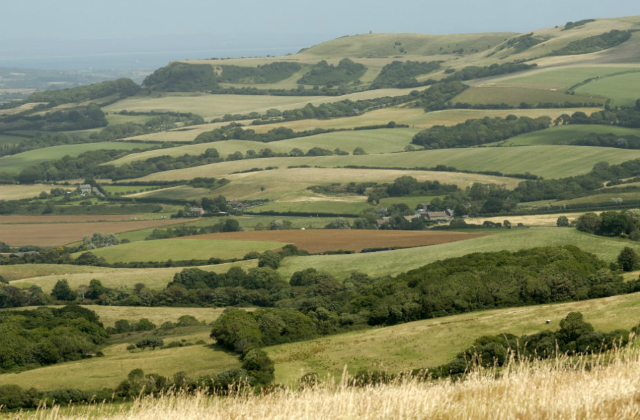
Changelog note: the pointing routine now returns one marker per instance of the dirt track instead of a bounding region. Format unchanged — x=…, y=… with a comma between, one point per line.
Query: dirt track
x=320, y=240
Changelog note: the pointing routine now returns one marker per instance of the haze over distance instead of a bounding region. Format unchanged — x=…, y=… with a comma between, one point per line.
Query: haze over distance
x=76, y=35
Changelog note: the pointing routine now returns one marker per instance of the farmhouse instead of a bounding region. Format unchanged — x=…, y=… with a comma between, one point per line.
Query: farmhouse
x=196, y=211
x=84, y=189
x=438, y=215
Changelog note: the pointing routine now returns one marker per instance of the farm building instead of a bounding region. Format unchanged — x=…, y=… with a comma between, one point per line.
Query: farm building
x=196, y=211
x=84, y=189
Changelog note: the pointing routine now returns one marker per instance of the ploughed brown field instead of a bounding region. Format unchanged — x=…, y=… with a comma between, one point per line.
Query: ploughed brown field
x=56, y=234
x=320, y=240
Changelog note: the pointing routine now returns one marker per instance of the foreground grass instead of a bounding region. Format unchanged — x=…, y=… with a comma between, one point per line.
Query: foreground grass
x=566, y=389
x=395, y=262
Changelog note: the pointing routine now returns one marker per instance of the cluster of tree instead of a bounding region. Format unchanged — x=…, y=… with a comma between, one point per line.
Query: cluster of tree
x=437, y=97
x=265, y=73
x=40, y=141
x=323, y=74
x=229, y=225
x=46, y=336
x=122, y=87
x=235, y=131
x=408, y=185
x=572, y=25
x=624, y=223
x=522, y=43
x=624, y=117
x=608, y=140
x=478, y=131
x=81, y=118
x=99, y=240
x=594, y=43
x=182, y=77
x=400, y=74
x=154, y=125
x=475, y=72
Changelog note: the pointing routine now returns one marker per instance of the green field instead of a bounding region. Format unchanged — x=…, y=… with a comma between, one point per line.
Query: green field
x=603, y=199
x=181, y=249
x=372, y=141
x=16, y=163
x=563, y=78
x=622, y=89
x=546, y=161
x=152, y=278
x=7, y=139
x=563, y=134
x=395, y=262
x=344, y=207
x=514, y=96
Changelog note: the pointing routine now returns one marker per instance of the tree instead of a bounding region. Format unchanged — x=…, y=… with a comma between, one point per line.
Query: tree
x=628, y=259
x=588, y=222
x=562, y=221
x=359, y=151
x=62, y=291
x=269, y=259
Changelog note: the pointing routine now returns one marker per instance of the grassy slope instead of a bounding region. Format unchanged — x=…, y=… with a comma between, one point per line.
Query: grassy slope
x=156, y=278
x=180, y=249
x=560, y=78
x=395, y=262
x=372, y=141
x=16, y=163
x=546, y=161
x=514, y=96
x=622, y=89
x=564, y=134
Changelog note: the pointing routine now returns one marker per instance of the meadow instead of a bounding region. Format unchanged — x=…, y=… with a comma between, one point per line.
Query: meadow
x=563, y=134
x=615, y=87
x=182, y=249
x=152, y=278
x=16, y=163
x=18, y=192
x=514, y=96
x=545, y=161
x=562, y=78
x=395, y=262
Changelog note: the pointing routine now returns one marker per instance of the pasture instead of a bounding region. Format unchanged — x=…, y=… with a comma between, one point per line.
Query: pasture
x=152, y=278
x=563, y=134
x=618, y=88
x=182, y=249
x=18, y=192
x=414, y=117
x=561, y=78
x=16, y=163
x=321, y=240
x=514, y=96
x=546, y=161
x=398, y=261
x=57, y=234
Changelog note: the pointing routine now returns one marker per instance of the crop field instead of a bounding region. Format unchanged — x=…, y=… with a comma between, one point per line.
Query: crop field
x=563, y=134
x=548, y=220
x=18, y=192
x=398, y=261
x=601, y=198
x=618, y=88
x=182, y=249
x=16, y=163
x=56, y=234
x=436, y=341
x=291, y=184
x=320, y=240
x=546, y=161
x=23, y=271
x=561, y=78
x=152, y=278
x=6, y=139
x=414, y=117
x=11, y=219
x=372, y=141
x=514, y=96
x=341, y=206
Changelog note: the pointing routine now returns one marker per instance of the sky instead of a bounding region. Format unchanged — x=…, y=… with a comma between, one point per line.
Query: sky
x=38, y=32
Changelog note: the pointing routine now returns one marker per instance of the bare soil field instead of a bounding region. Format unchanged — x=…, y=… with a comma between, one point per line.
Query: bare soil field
x=321, y=240
x=56, y=234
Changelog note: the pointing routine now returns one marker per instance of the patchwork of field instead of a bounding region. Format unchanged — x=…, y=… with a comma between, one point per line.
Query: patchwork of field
x=436, y=341
x=372, y=141
x=155, y=278
x=545, y=161
x=182, y=249
x=414, y=117
x=16, y=163
x=514, y=96
x=57, y=234
x=291, y=184
x=321, y=240
x=395, y=262
x=18, y=192
x=563, y=134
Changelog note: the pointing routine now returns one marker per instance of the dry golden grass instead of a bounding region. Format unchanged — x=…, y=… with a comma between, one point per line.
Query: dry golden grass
x=11, y=219
x=533, y=220
x=563, y=389
x=18, y=192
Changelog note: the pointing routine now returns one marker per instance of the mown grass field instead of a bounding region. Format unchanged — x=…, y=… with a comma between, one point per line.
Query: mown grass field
x=414, y=117
x=563, y=134
x=57, y=234
x=181, y=249
x=290, y=185
x=321, y=240
x=619, y=88
x=152, y=278
x=18, y=192
x=398, y=261
x=16, y=163
x=562, y=78
x=372, y=141
x=514, y=96
x=545, y=161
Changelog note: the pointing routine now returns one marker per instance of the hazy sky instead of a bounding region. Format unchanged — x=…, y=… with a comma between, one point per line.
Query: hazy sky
x=40, y=28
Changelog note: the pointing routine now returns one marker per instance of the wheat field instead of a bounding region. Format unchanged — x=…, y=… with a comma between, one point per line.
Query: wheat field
x=605, y=388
